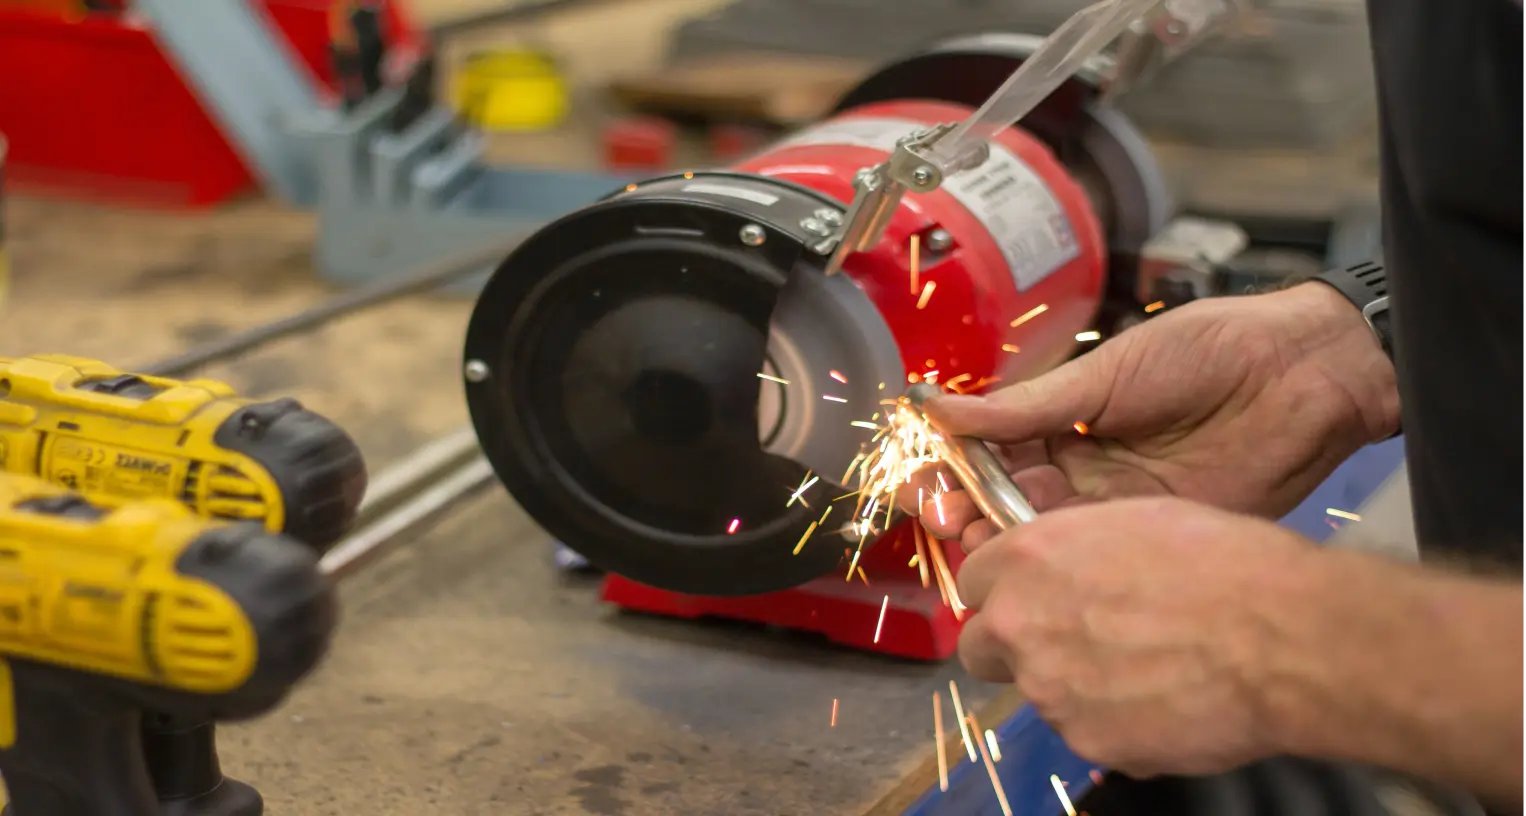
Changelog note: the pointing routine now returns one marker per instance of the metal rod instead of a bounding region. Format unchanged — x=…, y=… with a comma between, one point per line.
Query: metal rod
x=391, y=529
x=978, y=470
x=402, y=480
x=425, y=278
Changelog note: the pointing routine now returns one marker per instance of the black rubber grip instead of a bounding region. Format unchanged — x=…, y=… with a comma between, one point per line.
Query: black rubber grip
x=315, y=464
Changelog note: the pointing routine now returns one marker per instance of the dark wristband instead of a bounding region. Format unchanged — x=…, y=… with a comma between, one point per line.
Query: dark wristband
x=1366, y=286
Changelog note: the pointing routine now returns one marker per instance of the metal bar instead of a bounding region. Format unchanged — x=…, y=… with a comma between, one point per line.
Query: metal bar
x=388, y=531
x=426, y=278
x=978, y=470
x=397, y=483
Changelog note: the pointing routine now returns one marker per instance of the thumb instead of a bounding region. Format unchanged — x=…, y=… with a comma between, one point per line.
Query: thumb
x=1048, y=405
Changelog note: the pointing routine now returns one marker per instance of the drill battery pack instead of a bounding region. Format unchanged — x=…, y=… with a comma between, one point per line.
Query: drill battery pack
x=116, y=437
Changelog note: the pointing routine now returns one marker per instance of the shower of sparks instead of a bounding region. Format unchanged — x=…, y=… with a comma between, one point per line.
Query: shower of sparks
x=1001, y=794
x=878, y=627
x=1082, y=428
x=830, y=398
x=901, y=445
x=916, y=264
x=805, y=485
x=838, y=376
x=772, y=378
x=964, y=725
x=1059, y=790
x=927, y=294
x=938, y=740
x=1030, y=314
x=1010, y=349
x=1155, y=307
x=1088, y=336
x=991, y=744
x=1349, y=516
x=834, y=713
x=732, y=528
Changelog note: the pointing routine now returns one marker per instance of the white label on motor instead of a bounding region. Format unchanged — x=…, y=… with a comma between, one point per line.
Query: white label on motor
x=754, y=196
x=1016, y=207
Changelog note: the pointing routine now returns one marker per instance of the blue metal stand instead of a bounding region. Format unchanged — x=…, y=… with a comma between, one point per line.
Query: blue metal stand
x=1031, y=750
x=388, y=202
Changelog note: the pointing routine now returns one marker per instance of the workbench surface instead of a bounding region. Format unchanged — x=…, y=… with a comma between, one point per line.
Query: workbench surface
x=469, y=677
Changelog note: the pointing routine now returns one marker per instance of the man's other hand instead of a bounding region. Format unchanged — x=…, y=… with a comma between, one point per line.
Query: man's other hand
x=1142, y=630
x=1244, y=403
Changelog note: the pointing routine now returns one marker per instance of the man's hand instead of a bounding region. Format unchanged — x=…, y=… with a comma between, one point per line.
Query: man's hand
x=1139, y=629
x=1162, y=636
x=1245, y=403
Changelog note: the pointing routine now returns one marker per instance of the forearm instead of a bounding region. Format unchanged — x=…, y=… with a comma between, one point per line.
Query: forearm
x=1406, y=668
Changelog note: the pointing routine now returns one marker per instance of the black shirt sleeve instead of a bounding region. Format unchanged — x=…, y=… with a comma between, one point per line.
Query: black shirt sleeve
x=1449, y=97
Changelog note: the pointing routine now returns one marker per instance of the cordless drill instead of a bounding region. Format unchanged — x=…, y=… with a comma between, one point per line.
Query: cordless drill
x=116, y=438
x=106, y=614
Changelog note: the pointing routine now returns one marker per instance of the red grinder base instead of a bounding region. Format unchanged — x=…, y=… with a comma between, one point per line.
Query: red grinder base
x=917, y=623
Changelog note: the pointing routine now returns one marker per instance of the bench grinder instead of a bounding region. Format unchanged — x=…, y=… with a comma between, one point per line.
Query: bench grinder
x=653, y=376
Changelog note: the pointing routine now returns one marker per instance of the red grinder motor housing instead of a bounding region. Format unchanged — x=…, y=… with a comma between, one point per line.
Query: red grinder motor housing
x=615, y=356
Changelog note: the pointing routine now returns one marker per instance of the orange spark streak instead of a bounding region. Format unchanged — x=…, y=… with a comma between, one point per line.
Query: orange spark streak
x=1030, y=314
x=1001, y=795
x=834, y=713
x=884, y=607
x=735, y=523
x=807, y=537
x=916, y=263
x=964, y=726
x=938, y=740
x=927, y=294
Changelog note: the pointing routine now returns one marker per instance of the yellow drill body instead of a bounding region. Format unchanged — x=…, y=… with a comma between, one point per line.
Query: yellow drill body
x=115, y=437
x=102, y=594
x=107, y=613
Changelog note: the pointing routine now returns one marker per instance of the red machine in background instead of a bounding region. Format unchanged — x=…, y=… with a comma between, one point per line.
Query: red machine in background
x=658, y=376
x=94, y=107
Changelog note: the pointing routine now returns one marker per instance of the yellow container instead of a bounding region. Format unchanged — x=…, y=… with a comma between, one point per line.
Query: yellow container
x=511, y=90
